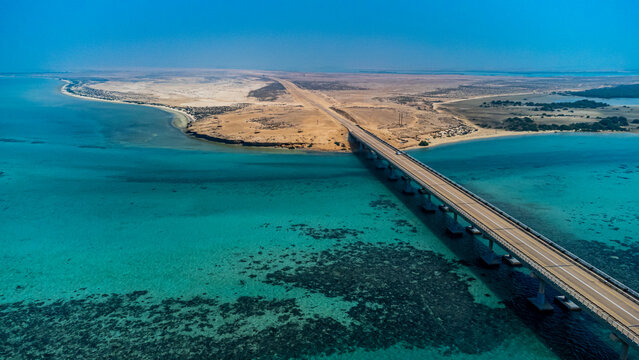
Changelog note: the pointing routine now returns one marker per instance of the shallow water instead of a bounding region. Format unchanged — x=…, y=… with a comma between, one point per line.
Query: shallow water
x=123, y=238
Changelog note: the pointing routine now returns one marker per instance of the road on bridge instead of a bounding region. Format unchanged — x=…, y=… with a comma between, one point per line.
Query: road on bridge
x=608, y=301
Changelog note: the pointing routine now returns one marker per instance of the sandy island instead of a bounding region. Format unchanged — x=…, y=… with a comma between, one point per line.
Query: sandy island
x=252, y=108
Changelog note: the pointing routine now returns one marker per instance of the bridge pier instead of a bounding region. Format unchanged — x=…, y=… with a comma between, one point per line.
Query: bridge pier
x=392, y=174
x=379, y=163
x=361, y=146
x=370, y=154
x=427, y=204
x=624, y=346
x=490, y=259
x=408, y=188
x=453, y=227
x=511, y=260
x=540, y=301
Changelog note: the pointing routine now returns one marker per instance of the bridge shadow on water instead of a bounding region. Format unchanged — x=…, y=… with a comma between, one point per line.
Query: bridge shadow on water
x=570, y=335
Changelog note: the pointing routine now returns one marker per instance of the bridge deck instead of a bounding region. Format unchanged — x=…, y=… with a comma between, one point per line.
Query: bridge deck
x=605, y=297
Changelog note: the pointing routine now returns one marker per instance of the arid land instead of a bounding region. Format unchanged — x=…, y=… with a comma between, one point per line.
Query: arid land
x=255, y=108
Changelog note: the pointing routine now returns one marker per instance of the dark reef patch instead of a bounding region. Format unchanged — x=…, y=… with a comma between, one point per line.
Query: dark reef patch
x=383, y=202
x=129, y=326
x=401, y=224
x=321, y=233
x=403, y=295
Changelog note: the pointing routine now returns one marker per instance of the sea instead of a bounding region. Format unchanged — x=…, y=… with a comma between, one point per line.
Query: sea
x=122, y=238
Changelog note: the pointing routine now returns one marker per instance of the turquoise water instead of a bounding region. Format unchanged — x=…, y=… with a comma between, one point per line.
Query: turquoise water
x=122, y=238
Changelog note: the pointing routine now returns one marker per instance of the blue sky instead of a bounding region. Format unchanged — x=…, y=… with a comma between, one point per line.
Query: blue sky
x=320, y=35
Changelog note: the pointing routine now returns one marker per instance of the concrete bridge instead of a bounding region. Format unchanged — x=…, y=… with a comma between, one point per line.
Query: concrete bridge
x=606, y=298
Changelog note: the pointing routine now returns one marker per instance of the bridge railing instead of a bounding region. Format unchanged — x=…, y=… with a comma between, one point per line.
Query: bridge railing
x=630, y=293
x=563, y=286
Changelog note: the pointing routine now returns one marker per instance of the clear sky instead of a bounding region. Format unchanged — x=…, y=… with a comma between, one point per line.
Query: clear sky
x=327, y=35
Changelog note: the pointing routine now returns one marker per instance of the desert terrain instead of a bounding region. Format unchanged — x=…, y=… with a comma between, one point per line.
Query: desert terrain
x=409, y=110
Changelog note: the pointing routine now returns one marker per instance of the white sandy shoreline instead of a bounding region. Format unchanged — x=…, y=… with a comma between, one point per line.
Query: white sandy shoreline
x=462, y=139
x=180, y=118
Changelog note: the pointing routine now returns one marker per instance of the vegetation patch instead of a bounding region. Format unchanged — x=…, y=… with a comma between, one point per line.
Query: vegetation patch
x=416, y=101
x=405, y=99
x=580, y=104
x=202, y=112
x=325, y=85
x=612, y=123
x=270, y=123
x=344, y=114
x=79, y=88
x=269, y=92
x=619, y=91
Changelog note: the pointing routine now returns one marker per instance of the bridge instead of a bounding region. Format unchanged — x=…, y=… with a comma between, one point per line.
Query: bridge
x=604, y=297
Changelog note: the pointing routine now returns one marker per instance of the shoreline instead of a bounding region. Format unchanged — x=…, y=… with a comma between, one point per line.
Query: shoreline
x=181, y=120
x=516, y=134
x=472, y=137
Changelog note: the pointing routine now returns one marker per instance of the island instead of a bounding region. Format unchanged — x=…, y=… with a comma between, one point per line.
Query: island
x=253, y=108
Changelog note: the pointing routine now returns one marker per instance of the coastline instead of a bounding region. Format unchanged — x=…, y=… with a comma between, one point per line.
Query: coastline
x=474, y=136
x=181, y=119
x=508, y=134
